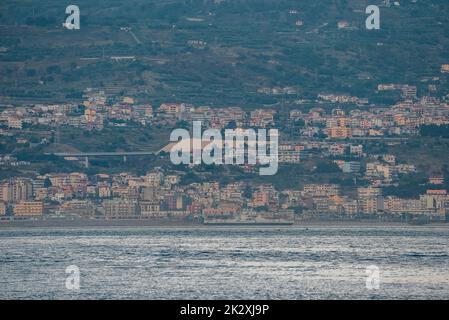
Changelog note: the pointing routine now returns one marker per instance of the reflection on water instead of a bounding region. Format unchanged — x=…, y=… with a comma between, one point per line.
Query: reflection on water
x=224, y=263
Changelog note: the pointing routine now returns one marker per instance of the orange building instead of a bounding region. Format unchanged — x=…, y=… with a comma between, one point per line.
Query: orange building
x=29, y=208
x=339, y=132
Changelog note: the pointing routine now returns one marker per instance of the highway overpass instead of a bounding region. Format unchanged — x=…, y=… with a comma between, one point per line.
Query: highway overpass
x=86, y=155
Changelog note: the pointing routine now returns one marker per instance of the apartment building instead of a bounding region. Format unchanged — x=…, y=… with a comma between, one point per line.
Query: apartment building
x=339, y=132
x=16, y=190
x=434, y=199
x=120, y=208
x=14, y=123
x=321, y=190
x=290, y=153
x=397, y=205
x=171, y=108
x=29, y=208
x=149, y=208
x=262, y=118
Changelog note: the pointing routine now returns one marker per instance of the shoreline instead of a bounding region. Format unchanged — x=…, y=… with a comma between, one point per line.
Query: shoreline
x=142, y=223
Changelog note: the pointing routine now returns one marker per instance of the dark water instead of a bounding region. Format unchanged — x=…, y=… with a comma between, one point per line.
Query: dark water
x=224, y=263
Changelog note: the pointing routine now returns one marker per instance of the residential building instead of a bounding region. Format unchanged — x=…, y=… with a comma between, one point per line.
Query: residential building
x=321, y=190
x=120, y=208
x=2, y=208
x=29, y=208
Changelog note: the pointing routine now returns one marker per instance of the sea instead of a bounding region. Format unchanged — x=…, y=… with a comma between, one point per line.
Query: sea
x=199, y=262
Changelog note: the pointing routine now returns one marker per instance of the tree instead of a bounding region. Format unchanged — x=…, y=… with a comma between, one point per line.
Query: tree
x=47, y=183
x=327, y=167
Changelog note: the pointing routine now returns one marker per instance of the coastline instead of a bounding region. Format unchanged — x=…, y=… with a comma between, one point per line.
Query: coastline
x=138, y=223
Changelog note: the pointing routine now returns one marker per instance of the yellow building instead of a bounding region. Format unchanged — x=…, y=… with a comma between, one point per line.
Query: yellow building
x=128, y=100
x=29, y=208
x=373, y=132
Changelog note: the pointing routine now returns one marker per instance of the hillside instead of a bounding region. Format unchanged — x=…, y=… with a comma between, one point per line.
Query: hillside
x=246, y=45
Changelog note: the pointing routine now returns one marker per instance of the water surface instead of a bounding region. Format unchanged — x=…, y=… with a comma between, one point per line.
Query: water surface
x=226, y=263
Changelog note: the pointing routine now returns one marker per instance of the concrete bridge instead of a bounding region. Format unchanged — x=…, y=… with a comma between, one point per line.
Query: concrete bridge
x=86, y=155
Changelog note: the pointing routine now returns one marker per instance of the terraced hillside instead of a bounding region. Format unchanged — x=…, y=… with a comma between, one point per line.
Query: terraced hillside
x=218, y=52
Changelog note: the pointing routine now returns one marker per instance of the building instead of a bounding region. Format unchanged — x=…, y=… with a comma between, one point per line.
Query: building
x=339, y=132
x=93, y=120
x=29, y=209
x=144, y=110
x=350, y=207
x=370, y=205
x=397, y=205
x=78, y=208
x=350, y=167
x=409, y=92
x=262, y=118
x=14, y=123
x=370, y=200
x=16, y=190
x=434, y=199
x=120, y=208
x=290, y=153
x=104, y=191
x=389, y=158
x=368, y=192
x=128, y=100
x=149, y=208
x=221, y=212
x=171, y=108
x=436, y=180
x=321, y=190
x=337, y=121
x=74, y=179
x=154, y=179
x=170, y=180
x=343, y=24
x=445, y=68
x=2, y=208
x=356, y=150
x=379, y=171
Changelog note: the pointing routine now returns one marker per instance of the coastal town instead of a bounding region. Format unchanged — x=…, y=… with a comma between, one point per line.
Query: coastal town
x=207, y=155
x=337, y=130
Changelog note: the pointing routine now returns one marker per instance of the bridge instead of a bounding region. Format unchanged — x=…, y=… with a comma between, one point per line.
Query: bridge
x=86, y=155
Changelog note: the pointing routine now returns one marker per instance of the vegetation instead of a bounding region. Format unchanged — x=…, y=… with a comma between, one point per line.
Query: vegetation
x=249, y=44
